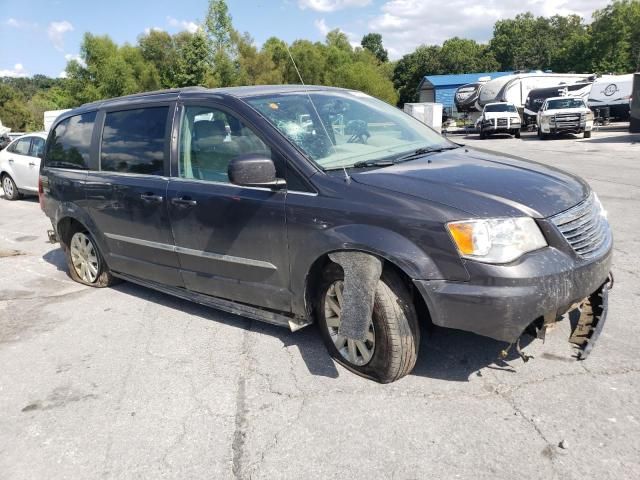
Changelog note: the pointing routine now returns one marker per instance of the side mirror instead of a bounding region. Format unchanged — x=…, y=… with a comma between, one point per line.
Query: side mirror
x=254, y=170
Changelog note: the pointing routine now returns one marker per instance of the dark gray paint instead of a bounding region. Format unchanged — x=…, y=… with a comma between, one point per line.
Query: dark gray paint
x=397, y=213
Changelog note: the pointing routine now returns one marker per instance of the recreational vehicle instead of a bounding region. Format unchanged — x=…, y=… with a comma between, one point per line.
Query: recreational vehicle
x=612, y=92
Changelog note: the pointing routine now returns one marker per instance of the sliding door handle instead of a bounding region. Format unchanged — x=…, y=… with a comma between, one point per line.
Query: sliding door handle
x=184, y=201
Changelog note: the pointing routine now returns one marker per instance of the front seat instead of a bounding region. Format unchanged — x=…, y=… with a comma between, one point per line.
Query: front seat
x=211, y=153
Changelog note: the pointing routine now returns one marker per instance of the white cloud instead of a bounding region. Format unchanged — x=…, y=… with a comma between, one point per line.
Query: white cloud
x=405, y=24
x=331, y=5
x=56, y=31
x=15, y=23
x=322, y=27
x=148, y=30
x=187, y=25
x=17, y=71
x=69, y=56
x=62, y=74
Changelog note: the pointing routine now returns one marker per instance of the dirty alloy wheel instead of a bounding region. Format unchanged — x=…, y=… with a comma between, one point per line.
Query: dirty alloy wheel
x=10, y=188
x=84, y=260
x=390, y=349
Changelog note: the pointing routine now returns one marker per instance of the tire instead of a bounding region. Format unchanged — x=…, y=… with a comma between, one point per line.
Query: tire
x=80, y=247
x=482, y=134
x=541, y=136
x=10, y=188
x=587, y=134
x=395, y=329
x=516, y=134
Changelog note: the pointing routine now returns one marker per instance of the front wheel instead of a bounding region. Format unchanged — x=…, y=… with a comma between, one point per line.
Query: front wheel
x=541, y=134
x=516, y=133
x=390, y=349
x=85, y=262
x=587, y=134
x=10, y=188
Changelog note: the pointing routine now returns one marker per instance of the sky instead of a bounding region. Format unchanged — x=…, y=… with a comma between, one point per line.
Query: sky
x=41, y=36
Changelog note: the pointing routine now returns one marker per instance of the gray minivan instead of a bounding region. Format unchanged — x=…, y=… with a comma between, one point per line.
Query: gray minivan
x=295, y=205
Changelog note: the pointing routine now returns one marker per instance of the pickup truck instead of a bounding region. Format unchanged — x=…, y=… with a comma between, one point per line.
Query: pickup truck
x=499, y=117
x=564, y=115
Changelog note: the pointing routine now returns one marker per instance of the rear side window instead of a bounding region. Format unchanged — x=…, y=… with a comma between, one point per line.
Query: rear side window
x=133, y=141
x=70, y=142
x=21, y=147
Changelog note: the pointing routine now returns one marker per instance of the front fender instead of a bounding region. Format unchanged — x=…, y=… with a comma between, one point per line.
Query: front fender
x=386, y=244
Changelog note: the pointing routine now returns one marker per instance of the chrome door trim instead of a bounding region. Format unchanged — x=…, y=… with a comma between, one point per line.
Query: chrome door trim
x=196, y=253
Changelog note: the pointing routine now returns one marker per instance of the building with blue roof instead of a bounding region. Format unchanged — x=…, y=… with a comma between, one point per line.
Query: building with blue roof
x=442, y=88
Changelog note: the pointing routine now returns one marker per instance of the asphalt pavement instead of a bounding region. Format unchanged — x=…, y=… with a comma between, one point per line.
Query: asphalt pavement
x=127, y=383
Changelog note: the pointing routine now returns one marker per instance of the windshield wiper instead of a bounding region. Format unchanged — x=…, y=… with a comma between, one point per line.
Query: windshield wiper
x=372, y=163
x=424, y=151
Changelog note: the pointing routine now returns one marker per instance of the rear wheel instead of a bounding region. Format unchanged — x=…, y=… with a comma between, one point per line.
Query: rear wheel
x=10, y=188
x=84, y=260
x=390, y=349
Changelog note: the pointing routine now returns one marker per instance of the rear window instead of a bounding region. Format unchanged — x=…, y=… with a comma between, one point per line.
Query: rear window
x=133, y=141
x=70, y=142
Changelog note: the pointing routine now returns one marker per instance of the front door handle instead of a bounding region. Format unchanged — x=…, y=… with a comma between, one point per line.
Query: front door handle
x=184, y=201
x=31, y=164
x=150, y=197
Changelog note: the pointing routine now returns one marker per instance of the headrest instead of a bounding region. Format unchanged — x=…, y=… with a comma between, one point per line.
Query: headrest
x=208, y=128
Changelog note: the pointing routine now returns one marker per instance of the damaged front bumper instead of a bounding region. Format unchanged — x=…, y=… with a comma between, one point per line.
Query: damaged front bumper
x=502, y=301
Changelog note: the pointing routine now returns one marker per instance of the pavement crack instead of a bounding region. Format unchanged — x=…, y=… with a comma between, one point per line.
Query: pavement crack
x=240, y=431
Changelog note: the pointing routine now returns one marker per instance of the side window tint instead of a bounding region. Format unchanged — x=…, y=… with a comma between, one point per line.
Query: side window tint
x=22, y=146
x=210, y=139
x=133, y=141
x=70, y=142
x=37, y=147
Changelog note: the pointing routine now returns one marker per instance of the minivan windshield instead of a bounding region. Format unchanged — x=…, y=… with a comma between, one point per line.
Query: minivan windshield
x=500, y=107
x=565, y=103
x=341, y=129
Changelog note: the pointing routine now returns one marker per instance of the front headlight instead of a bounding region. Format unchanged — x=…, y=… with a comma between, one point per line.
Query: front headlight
x=496, y=240
x=515, y=119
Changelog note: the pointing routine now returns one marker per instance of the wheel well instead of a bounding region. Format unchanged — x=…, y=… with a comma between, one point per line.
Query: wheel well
x=314, y=277
x=65, y=228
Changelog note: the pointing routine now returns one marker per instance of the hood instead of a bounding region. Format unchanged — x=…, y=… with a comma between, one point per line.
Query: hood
x=482, y=183
x=492, y=115
x=565, y=110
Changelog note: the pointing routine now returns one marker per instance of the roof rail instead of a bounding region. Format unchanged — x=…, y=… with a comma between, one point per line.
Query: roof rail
x=146, y=94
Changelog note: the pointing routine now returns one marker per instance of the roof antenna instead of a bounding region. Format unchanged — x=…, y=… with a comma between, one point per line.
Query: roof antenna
x=347, y=178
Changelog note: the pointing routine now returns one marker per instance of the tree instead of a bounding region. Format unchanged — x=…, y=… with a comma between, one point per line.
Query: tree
x=459, y=55
x=159, y=49
x=193, y=66
x=373, y=43
x=615, y=34
x=411, y=68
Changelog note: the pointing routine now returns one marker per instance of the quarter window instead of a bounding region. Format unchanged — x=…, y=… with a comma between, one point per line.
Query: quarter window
x=210, y=139
x=37, y=147
x=70, y=142
x=134, y=141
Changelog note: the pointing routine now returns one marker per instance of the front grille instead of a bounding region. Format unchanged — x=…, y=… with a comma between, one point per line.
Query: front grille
x=584, y=228
x=502, y=122
x=568, y=120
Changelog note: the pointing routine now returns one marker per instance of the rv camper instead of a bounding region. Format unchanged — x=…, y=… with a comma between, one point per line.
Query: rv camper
x=612, y=92
x=466, y=96
x=515, y=88
x=537, y=96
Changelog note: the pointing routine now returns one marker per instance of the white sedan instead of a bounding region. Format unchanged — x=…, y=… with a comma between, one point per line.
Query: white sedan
x=20, y=165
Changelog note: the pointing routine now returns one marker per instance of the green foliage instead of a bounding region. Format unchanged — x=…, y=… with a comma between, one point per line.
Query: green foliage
x=373, y=43
x=615, y=34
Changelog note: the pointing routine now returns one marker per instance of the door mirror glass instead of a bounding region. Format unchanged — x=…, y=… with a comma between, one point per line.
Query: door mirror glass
x=254, y=170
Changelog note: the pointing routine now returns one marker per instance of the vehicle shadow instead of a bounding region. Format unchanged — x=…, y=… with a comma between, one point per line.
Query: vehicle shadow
x=631, y=138
x=445, y=354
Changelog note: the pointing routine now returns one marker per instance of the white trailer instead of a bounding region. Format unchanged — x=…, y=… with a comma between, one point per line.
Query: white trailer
x=50, y=117
x=612, y=92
